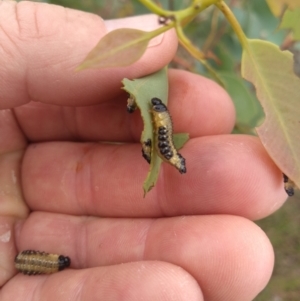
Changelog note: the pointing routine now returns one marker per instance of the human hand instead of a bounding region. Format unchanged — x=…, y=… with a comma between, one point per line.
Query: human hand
x=191, y=238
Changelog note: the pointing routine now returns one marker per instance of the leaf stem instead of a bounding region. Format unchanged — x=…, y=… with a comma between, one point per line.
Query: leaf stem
x=187, y=44
x=160, y=30
x=189, y=12
x=233, y=22
x=155, y=8
x=196, y=53
x=213, y=30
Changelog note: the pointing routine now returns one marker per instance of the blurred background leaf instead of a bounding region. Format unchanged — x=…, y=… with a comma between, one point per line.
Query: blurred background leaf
x=291, y=20
x=271, y=71
x=213, y=35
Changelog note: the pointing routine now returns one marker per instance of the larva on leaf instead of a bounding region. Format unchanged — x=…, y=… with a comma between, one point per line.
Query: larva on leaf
x=131, y=104
x=146, y=150
x=140, y=91
x=163, y=132
x=31, y=262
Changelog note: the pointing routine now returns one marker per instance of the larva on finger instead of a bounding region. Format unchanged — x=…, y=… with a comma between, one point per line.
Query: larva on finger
x=31, y=262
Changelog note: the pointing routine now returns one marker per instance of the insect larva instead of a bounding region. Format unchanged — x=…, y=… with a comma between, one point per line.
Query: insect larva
x=288, y=185
x=131, y=104
x=31, y=262
x=164, y=20
x=164, y=135
x=146, y=150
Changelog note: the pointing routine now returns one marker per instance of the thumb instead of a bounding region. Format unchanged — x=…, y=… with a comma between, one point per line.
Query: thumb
x=41, y=45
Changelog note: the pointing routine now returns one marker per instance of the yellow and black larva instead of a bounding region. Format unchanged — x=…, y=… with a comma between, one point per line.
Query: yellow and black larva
x=31, y=262
x=164, y=135
x=146, y=150
x=288, y=185
x=131, y=104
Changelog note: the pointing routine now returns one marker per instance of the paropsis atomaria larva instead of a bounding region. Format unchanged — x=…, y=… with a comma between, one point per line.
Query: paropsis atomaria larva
x=131, y=104
x=164, y=135
x=146, y=150
x=31, y=262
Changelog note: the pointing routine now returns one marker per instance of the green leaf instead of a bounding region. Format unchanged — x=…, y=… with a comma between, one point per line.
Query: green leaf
x=180, y=139
x=143, y=90
x=248, y=109
x=291, y=20
x=120, y=47
x=277, y=87
x=277, y=6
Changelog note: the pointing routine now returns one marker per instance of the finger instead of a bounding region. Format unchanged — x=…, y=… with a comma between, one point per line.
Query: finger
x=7, y=248
x=131, y=281
x=12, y=148
x=229, y=174
x=41, y=45
x=197, y=106
x=12, y=206
x=230, y=257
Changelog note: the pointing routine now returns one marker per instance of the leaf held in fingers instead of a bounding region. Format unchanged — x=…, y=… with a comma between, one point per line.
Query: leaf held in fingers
x=278, y=90
x=180, y=139
x=142, y=90
x=121, y=47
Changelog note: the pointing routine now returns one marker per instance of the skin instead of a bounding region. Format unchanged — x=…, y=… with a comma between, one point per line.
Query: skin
x=192, y=238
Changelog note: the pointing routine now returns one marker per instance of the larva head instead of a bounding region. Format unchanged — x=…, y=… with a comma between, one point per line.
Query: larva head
x=63, y=262
x=157, y=105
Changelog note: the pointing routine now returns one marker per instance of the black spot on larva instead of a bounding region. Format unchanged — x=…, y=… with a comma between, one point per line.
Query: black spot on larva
x=164, y=135
x=165, y=150
x=30, y=262
x=168, y=155
x=162, y=144
x=162, y=131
